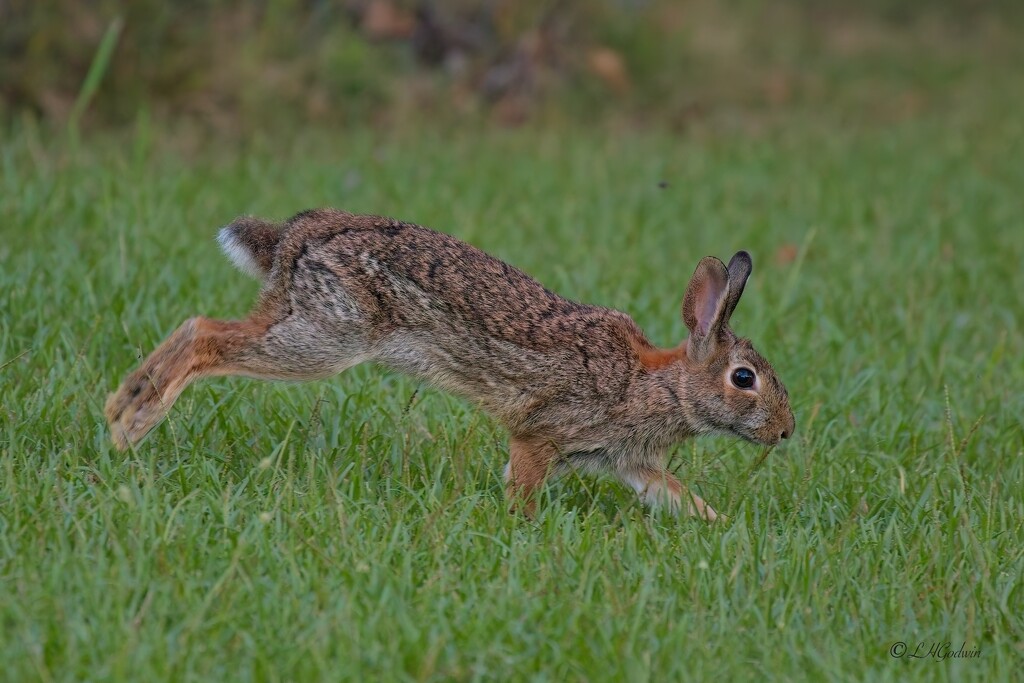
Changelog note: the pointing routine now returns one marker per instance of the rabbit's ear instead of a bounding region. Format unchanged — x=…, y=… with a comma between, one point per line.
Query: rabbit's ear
x=740, y=266
x=704, y=307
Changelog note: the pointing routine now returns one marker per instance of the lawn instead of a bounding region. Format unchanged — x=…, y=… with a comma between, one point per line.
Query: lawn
x=354, y=529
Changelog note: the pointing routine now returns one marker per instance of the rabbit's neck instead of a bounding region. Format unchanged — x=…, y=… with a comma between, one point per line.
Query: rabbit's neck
x=659, y=404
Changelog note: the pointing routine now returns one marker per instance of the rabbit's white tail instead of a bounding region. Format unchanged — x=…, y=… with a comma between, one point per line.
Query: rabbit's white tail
x=250, y=243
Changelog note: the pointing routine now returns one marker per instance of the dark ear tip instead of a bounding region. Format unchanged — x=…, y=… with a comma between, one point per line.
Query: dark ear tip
x=742, y=255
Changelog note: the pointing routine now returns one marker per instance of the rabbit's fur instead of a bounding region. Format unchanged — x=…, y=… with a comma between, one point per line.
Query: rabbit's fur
x=577, y=386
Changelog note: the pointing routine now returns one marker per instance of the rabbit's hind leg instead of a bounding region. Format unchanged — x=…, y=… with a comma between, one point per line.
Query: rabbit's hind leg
x=201, y=347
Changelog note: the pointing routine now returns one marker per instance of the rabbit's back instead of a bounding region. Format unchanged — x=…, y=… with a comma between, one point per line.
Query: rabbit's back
x=438, y=308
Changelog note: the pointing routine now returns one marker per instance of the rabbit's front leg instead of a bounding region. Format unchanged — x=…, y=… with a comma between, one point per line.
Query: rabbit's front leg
x=530, y=460
x=662, y=489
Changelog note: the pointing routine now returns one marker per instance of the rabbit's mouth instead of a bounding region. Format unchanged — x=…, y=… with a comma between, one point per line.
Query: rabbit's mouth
x=773, y=435
x=761, y=440
x=765, y=433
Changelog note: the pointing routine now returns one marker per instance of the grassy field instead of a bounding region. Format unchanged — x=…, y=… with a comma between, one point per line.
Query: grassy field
x=354, y=529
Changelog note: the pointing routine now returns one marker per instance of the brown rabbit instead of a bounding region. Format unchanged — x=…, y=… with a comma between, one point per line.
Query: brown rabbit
x=577, y=386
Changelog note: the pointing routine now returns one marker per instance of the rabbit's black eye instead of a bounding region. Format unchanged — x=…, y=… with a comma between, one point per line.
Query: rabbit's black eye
x=743, y=378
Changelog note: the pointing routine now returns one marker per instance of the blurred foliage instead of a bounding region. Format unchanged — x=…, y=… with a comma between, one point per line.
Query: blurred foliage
x=234, y=65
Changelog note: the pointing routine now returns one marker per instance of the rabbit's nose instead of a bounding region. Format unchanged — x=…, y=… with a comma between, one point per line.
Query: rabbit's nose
x=787, y=431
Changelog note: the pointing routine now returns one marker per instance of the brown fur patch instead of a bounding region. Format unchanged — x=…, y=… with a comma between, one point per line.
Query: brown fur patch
x=653, y=358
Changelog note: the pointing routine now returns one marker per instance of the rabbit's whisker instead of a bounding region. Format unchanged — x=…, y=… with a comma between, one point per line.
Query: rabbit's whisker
x=760, y=461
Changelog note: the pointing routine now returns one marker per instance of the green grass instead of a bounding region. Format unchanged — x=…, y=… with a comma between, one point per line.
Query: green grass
x=354, y=529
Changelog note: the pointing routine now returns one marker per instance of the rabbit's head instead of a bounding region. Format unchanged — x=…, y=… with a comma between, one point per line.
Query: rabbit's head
x=730, y=387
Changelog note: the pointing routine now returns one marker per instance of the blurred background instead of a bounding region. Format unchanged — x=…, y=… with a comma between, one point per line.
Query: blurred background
x=235, y=67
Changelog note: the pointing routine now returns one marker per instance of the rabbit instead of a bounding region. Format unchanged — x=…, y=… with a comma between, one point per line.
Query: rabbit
x=578, y=387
